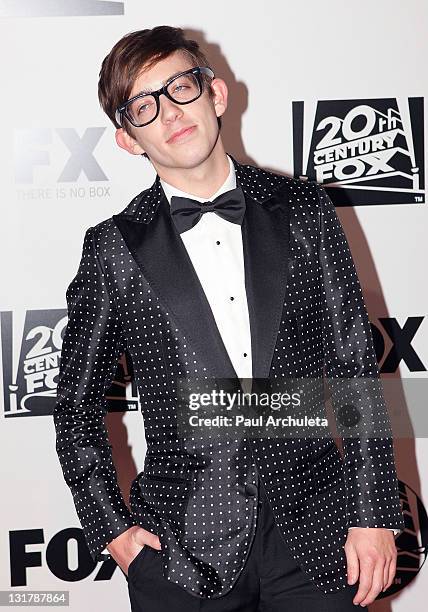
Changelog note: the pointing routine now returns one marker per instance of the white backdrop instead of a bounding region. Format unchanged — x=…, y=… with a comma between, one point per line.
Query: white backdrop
x=52, y=191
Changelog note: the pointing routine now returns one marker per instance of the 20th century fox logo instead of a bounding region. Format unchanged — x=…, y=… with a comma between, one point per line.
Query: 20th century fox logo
x=372, y=150
x=31, y=345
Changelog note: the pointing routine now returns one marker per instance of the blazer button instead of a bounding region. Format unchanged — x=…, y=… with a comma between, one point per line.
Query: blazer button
x=250, y=489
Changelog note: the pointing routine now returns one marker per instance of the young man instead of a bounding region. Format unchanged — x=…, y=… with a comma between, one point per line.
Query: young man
x=221, y=271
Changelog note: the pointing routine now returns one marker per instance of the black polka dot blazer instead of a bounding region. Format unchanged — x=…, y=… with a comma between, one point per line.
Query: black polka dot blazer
x=136, y=289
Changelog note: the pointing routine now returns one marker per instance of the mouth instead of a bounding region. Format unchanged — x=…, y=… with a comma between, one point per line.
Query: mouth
x=182, y=134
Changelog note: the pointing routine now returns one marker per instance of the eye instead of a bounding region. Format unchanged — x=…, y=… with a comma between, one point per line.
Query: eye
x=143, y=107
x=178, y=87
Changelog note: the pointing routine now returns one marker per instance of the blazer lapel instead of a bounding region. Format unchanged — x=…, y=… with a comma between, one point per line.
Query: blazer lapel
x=265, y=236
x=163, y=259
x=157, y=248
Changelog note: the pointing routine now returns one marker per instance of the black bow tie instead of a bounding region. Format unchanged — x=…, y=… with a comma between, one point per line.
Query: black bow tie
x=229, y=205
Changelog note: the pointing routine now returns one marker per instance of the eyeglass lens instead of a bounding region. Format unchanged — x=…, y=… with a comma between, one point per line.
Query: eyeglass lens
x=182, y=89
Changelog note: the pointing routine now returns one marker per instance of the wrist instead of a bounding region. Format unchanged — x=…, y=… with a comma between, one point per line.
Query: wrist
x=126, y=535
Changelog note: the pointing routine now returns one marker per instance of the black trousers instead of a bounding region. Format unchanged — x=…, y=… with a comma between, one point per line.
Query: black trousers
x=271, y=581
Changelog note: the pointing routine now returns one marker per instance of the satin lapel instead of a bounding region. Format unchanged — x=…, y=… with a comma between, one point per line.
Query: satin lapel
x=265, y=234
x=163, y=259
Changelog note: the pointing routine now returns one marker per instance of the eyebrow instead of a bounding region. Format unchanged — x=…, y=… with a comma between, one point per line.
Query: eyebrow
x=148, y=90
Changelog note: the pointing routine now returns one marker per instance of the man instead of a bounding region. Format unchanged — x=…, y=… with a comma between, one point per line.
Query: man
x=221, y=271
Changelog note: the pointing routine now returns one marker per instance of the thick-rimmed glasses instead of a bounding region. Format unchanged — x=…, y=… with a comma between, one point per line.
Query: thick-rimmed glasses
x=182, y=88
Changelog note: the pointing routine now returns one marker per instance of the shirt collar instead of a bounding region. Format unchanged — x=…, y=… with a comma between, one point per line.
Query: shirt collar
x=229, y=183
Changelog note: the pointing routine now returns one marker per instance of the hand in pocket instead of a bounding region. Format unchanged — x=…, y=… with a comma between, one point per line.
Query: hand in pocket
x=130, y=544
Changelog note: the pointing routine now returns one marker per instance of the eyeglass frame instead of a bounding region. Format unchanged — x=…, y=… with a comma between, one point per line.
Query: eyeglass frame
x=121, y=110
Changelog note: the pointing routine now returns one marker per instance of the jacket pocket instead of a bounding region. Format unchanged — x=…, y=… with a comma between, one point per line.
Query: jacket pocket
x=167, y=498
x=162, y=478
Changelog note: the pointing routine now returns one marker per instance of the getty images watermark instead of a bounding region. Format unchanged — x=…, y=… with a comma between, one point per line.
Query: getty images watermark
x=236, y=410
x=288, y=407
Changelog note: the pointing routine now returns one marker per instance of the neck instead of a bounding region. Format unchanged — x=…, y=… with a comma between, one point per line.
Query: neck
x=202, y=180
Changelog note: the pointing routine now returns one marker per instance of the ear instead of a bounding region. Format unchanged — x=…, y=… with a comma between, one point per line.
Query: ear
x=219, y=99
x=127, y=142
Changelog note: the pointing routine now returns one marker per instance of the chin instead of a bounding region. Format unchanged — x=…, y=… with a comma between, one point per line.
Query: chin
x=191, y=157
x=188, y=159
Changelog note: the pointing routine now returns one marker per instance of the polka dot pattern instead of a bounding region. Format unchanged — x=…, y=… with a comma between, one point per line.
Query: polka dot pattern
x=200, y=494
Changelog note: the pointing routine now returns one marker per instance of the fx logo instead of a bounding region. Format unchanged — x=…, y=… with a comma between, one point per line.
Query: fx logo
x=401, y=349
x=34, y=147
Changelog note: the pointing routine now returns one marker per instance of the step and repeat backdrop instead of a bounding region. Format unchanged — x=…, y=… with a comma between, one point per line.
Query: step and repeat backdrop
x=330, y=90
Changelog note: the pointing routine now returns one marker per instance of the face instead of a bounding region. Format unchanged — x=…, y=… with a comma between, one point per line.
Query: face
x=193, y=147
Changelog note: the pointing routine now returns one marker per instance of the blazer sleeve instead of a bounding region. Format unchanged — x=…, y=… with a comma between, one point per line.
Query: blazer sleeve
x=92, y=344
x=352, y=373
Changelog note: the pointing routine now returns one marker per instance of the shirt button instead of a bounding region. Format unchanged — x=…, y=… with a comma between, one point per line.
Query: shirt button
x=231, y=297
x=217, y=241
x=250, y=489
x=245, y=354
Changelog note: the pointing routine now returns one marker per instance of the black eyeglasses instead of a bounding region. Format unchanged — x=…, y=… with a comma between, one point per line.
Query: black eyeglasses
x=182, y=88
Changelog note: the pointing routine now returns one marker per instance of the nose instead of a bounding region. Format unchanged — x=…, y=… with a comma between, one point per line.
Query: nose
x=169, y=111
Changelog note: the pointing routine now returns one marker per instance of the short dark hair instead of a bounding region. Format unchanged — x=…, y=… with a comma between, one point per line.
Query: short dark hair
x=143, y=48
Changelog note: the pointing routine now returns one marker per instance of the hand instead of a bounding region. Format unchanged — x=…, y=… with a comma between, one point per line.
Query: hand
x=371, y=555
x=128, y=544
